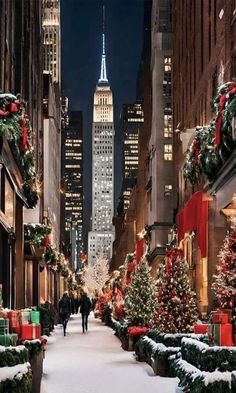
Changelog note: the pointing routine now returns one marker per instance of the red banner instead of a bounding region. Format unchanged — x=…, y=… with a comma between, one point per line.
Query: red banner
x=194, y=216
x=139, y=249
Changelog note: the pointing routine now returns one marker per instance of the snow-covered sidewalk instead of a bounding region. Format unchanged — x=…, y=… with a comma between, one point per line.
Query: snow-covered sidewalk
x=94, y=362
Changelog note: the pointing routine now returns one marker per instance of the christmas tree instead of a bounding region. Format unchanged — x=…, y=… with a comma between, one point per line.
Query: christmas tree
x=224, y=284
x=176, y=302
x=140, y=298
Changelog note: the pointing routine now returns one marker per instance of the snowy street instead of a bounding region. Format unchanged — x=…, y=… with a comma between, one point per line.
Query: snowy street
x=94, y=362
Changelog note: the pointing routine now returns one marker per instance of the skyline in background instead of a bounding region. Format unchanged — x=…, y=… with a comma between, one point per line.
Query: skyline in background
x=81, y=23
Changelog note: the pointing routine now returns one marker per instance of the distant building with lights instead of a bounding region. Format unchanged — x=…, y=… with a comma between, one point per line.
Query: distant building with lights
x=101, y=237
x=72, y=186
x=132, y=119
x=52, y=38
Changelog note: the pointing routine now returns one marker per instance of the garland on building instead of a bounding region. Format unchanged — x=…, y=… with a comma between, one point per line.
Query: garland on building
x=140, y=298
x=224, y=285
x=15, y=127
x=176, y=310
x=37, y=234
x=213, y=144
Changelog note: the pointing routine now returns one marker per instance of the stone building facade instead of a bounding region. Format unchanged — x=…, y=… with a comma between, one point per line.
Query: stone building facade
x=204, y=51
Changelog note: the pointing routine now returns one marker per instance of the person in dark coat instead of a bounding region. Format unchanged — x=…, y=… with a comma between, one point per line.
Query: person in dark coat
x=65, y=310
x=85, y=308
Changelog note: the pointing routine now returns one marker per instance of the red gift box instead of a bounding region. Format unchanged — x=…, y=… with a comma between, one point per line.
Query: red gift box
x=223, y=334
x=30, y=331
x=201, y=328
x=14, y=321
x=220, y=317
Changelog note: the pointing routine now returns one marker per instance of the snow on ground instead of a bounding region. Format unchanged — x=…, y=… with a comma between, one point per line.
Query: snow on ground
x=94, y=362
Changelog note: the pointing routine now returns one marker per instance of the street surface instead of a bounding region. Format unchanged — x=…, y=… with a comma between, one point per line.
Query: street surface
x=94, y=362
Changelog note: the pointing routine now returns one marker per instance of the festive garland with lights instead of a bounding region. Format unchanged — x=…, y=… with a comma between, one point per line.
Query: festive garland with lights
x=15, y=127
x=213, y=144
x=37, y=234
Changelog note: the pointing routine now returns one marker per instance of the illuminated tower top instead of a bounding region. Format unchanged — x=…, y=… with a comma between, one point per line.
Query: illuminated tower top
x=103, y=74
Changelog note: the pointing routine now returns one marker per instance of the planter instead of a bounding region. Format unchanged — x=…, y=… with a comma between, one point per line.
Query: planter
x=161, y=368
x=140, y=356
x=37, y=371
x=124, y=343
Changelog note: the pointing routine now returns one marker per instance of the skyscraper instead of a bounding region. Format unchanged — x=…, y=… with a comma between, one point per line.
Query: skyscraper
x=131, y=120
x=72, y=183
x=101, y=237
x=52, y=38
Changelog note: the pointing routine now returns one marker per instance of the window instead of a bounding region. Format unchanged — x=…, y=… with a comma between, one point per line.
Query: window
x=167, y=125
x=167, y=190
x=168, y=152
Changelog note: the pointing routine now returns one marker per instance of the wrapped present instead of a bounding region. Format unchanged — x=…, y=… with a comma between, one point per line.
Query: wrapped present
x=34, y=316
x=30, y=331
x=25, y=316
x=14, y=321
x=220, y=317
x=8, y=340
x=222, y=334
x=4, y=325
x=202, y=328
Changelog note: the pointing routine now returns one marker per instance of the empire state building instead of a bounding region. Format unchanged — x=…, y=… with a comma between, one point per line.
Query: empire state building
x=101, y=237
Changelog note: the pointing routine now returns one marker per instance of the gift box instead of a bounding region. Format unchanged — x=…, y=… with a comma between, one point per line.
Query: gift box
x=34, y=316
x=222, y=334
x=30, y=331
x=8, y=340
x=4, y=326
x=220, y=317
x=25, y=316
x=201, y=328
x=14, y=321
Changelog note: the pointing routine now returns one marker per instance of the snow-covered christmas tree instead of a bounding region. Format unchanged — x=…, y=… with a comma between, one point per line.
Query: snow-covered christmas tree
x=176, y=302
x=224, y=284
x=97, y=274
x=140, y=298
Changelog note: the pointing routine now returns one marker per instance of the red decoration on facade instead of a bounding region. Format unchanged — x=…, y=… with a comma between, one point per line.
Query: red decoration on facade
x=24, y=136
x=194, y=216
x=139, y=249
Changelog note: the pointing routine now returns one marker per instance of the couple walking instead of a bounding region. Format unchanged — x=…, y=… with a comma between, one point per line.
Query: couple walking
x=65, y=310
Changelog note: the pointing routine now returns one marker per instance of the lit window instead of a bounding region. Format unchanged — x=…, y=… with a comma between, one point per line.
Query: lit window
x=168, y=152
x=167, y=190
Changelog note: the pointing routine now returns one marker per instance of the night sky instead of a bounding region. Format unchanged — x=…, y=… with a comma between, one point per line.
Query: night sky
x=81, y=33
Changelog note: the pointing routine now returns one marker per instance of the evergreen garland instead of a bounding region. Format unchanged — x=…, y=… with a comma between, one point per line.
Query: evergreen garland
x=203, y=158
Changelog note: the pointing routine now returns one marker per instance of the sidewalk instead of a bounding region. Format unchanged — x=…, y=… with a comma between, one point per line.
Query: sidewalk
x=94, y=362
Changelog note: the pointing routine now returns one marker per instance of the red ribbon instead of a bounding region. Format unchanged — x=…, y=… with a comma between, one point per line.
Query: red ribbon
x=219, y=120
x=24, y=136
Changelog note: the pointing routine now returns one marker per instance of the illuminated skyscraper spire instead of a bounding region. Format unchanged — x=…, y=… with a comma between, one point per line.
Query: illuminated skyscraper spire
x=103, y=74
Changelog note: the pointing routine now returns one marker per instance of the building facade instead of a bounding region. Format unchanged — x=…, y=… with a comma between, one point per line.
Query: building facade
x=101, y=237
x=72, y=186
x=204, y=53
x=132, y=119
x=52, y=38
x=160, y=185
x=20, y=72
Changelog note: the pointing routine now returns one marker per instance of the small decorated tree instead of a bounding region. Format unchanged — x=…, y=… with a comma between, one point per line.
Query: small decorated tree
x=176, y=302
x=97, y=274
x=140, y=298
x=224, y=285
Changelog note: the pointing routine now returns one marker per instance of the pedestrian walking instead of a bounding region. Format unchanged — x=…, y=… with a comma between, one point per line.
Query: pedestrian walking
x=85, y=308
x=65, y=310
